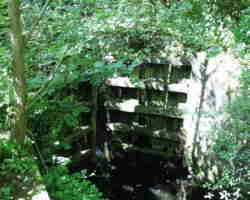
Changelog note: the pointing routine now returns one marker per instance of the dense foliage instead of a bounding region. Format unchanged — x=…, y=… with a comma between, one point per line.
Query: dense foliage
x=18, y=172
x=68, y=42
x=19, y=175
x=231, y=148
x=70, y=187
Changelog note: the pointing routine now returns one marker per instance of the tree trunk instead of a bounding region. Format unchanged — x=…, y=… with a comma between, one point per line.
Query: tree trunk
x=18, y=70
x=19, y=82
x=196, y=143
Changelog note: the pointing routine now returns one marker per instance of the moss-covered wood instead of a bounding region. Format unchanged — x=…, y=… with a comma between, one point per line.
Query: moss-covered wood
x=144, y=115
x=164, y=155
x=153, y=107
x=152, y=120
x=179, y=73
x=155, y=71
x=126, y=131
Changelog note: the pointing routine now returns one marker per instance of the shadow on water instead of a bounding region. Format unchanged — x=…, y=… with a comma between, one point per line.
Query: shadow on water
x=140, y=176
x=133, y=175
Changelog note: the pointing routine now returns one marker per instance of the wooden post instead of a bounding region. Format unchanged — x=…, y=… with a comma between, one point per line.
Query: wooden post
x=93, y=121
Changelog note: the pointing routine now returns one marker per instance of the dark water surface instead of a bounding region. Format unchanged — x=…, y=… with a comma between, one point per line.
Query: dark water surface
x=139, y=176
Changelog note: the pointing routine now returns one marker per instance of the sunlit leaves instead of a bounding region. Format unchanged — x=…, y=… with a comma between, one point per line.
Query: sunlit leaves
x=232, y=145
x=3, y=12
x=242, y=32
x=229, y=8
x=70, y=187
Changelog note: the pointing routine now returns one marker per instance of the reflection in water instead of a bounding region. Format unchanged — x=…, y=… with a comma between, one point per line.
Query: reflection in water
x=137, y=176
x=161, y=192
x=156, y=192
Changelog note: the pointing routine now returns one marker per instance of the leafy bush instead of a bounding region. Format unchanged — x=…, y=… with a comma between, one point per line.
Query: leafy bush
x=19, y=177
x=70, y=187
x=18, y=172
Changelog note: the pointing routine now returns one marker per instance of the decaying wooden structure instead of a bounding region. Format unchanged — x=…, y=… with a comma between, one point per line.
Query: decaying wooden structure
x=144, y=115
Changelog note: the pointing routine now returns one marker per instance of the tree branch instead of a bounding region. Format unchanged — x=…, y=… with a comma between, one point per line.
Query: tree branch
x=35, y=24
x=40, y=92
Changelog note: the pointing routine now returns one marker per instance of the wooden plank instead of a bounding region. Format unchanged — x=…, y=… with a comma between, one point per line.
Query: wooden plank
x=164, y=155
x=123, y=129
x=118, y=92
x=174, y=99
x=152, y=120
x=159, y=85
x=155, y=108
x=165, y=146
x=130, y=147
x=154, y=70
x=180, y=72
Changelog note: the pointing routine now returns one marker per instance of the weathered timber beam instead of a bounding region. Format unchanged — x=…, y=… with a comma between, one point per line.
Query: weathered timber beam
x=153, y=121
x=133, y=111
x=165, y=155
x=160, y=134
x=154, y=92
x=125, y=82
